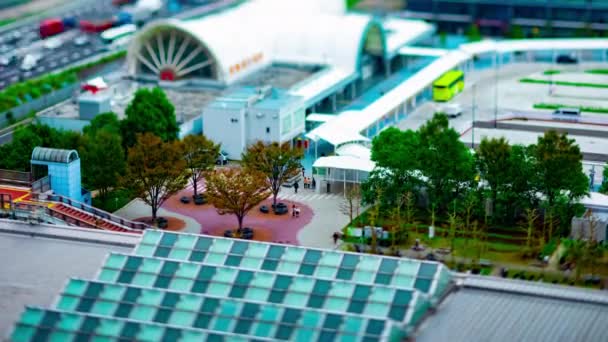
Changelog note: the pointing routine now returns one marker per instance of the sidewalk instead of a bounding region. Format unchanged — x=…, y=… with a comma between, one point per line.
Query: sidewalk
x=137, y=209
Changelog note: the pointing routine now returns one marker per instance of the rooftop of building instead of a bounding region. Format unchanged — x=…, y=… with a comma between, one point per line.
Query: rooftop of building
x=265, y=97
x=37, y=267
x=187, y=285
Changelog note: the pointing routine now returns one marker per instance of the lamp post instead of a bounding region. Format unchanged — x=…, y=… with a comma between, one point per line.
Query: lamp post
x=496, y=62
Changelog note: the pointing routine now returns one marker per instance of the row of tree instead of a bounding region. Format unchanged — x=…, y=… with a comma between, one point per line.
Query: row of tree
x=502, y=181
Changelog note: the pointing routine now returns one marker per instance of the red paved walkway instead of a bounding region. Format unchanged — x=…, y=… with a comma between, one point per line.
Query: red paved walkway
x=267, y=227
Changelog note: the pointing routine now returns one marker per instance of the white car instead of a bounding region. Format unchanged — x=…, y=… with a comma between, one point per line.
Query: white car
x=452, y=110
x=52, y=43
x=81, y=40
x=29, y=62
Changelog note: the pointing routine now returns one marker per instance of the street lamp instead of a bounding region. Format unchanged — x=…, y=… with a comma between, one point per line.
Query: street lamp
x=473, y=116
x=496, y=62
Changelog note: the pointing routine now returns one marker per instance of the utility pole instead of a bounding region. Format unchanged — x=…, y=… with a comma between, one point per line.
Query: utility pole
x=473, y=116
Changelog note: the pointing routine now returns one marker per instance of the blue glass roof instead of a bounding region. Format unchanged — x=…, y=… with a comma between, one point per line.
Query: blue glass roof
x=186, y=287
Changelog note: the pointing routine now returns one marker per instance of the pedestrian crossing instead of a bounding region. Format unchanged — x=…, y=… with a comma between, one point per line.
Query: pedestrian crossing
x=307, y=196
x=303, y=195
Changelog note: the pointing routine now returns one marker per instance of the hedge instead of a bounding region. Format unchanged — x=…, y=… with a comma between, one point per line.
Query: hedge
x=551, y=72
x=18, y=93
x=597, y=71
x=603, y=110
x=564, y=83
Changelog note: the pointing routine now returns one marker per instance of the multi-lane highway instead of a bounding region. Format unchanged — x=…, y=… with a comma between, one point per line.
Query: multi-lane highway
x=21, y=40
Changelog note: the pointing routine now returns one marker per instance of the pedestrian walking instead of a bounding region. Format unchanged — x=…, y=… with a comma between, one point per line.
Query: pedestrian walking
x=293, y=210
x=314, y=183
x=297, y=211
x=296, y=185
x=303, y=172
x=305, y=183
x=335, y=236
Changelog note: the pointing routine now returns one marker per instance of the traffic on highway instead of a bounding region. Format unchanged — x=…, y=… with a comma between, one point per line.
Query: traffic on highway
x=66, y=38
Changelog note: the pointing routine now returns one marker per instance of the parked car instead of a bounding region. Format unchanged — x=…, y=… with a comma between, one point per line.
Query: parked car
x=568, y=111
x=566, y=59
x=29, y=62
x=452, y=110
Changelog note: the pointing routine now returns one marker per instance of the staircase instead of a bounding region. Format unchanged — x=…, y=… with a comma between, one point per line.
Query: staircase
x=85, y=219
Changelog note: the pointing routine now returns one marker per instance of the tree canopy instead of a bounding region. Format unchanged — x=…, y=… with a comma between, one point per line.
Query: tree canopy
x=104, y=160
x=106, y=121
x=149, y=112
x=559, y=167
x=199, y=155
x=604, y=186
x=277, y=162
x=444, y=160
x=236, y=191
x=155, y=170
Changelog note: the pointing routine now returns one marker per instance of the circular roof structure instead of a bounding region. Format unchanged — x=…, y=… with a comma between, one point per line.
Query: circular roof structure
x=234, y=43
x=54, y=155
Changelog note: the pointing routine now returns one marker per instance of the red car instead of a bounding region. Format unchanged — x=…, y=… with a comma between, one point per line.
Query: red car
x=51, y=27
x=95, y=26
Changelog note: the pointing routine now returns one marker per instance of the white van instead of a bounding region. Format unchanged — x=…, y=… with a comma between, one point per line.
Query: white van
x=567, y=111
x=452, y=110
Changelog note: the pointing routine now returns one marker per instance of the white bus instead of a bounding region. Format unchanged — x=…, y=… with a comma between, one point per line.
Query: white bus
x=118, y=33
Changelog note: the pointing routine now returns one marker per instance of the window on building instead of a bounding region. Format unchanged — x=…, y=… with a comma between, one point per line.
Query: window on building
x=267, y=129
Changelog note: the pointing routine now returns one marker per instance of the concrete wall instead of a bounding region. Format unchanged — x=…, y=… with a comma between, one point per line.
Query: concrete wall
x=226, y=126
x=258, y=121
x=581, y=228
x=38, y=104
x=63, y=123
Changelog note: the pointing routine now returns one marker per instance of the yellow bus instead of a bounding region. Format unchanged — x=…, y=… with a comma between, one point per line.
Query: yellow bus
x=448, y=85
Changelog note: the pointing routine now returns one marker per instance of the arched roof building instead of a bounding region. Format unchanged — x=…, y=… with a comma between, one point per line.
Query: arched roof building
x=229, y=45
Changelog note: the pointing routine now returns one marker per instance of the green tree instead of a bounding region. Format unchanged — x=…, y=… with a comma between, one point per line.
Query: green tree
x=17, y=154
x=236, y=191
x=351, y=203
x=106, y=121
x=493, y=162
x=149, y=112
x=576, y=251
x=396, y=155
x=516, y=32
x=560, y=168
x=445, y=161
x=473, y=34
x=103, y=161
x=155, y=170
x=278, y=162
x=521, y=192
x=200, y=155
x=604, y=186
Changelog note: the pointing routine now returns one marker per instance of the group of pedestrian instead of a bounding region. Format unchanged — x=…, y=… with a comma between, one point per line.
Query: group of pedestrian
x=309, y=183
x=295, y=211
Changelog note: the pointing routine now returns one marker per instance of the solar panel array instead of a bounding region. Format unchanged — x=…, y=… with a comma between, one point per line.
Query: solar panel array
x=186, y=287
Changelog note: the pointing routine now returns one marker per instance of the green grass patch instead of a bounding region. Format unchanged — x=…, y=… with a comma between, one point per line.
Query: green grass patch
x=602, y=110
x=114, y=200
x=564, y=83
x=7, y=21
x=551, y=72
x=597, y=71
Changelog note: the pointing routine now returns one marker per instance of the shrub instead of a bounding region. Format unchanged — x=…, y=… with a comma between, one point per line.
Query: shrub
x=551, y=72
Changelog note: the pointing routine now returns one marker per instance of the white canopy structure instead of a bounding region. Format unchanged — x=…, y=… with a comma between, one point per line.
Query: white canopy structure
x=231, y=44
x=345, y=163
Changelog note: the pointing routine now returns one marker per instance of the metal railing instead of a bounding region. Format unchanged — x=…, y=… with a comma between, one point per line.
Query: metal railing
x=42, y=185
x=98, y=213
